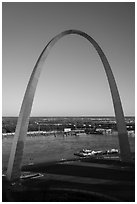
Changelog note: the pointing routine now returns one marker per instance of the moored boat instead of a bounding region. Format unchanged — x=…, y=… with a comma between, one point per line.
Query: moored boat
x=89, y=152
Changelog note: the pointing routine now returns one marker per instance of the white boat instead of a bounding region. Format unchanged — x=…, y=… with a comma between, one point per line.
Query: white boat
x=89, y=152
x=112, y=151
x=29, y=175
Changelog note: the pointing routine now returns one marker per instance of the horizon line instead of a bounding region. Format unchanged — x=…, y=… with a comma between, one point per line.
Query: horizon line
x=74, y=116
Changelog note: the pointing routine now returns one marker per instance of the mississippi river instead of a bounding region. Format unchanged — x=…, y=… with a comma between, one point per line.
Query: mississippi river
x=50, y=148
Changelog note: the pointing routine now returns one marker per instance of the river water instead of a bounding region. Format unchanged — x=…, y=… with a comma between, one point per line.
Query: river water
x=50, y=148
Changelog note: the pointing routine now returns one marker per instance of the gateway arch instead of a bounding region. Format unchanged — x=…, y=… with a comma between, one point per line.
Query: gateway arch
x=14, y=165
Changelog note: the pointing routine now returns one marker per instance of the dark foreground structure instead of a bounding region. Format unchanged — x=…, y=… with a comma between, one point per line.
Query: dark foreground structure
x=81, y=180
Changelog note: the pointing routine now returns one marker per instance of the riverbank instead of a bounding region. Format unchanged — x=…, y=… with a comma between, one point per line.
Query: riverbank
x=76, y=180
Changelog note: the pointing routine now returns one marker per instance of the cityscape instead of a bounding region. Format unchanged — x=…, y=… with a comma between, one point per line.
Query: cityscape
x=90, y=125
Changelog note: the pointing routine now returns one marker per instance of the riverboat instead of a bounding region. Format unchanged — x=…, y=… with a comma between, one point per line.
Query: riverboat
x=89, y=152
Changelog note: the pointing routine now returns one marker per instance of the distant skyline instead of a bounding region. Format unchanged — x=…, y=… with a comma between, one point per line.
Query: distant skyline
x=73, y=81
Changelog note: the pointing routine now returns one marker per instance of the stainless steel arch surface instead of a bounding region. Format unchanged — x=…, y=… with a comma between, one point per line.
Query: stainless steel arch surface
x=14, y=165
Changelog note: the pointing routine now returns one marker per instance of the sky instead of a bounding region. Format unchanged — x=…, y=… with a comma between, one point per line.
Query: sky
x=73, y=81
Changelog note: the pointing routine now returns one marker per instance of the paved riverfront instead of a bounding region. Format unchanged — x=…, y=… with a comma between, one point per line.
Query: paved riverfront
x=79, y=180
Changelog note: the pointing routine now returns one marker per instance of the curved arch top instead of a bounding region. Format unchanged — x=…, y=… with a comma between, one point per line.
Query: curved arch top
x=14, y=165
